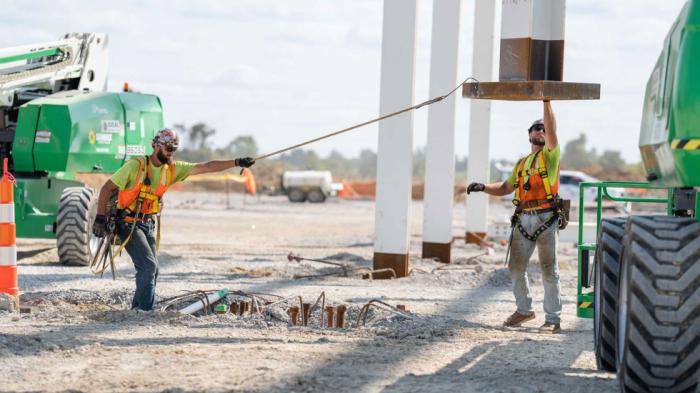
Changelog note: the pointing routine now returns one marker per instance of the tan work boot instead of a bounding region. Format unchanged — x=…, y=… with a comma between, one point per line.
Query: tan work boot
x=550, y=328
x=516, y=319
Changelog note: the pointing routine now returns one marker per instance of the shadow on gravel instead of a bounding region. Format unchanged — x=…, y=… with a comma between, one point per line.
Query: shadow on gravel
x=28, y=254
x=515, y=366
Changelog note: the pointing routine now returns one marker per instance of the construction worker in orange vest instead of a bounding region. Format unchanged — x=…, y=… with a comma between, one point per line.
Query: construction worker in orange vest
x=141, y=183
x=538, y=216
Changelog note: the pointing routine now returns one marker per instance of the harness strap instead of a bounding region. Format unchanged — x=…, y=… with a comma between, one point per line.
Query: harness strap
x=545, y=178
x=550, y=221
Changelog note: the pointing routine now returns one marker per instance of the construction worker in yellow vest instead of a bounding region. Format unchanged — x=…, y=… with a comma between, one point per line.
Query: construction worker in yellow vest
x=141, y=183
x=538, y=215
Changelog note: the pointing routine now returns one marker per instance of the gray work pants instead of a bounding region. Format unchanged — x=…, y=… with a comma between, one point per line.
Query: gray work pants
x=521, y=250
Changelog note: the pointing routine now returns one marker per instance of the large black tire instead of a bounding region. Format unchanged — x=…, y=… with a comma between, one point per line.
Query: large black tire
x=659, y=306
x=607, y=273
x=296, y=195
x=76, y=212
x=316, y=196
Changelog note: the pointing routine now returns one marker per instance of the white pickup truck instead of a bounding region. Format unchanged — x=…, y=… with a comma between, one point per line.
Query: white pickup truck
x=312, y=186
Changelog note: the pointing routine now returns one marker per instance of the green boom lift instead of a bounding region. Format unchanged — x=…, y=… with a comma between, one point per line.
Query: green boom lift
x=640, y=281
x=57, y=124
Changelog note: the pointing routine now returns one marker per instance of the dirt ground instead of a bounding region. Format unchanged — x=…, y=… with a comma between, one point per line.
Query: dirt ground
x=80, y=335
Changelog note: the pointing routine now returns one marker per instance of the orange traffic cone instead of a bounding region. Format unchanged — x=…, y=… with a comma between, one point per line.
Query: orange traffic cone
x=8, y=247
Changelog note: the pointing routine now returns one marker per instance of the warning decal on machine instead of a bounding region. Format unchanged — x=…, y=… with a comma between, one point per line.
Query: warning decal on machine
x=113, y=126
x=43, y=136
x=135, y=150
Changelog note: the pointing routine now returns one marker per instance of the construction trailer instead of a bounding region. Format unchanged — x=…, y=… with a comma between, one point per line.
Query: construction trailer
x=640, y=281
x=57, y=124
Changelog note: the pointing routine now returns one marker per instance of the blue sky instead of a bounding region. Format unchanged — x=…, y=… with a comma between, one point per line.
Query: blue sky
x=286, y=71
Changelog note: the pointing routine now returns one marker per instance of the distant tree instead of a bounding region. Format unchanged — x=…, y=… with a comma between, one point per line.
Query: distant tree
x=612, y=160
x=575, y=155
x=243, y=146
x=367, y=164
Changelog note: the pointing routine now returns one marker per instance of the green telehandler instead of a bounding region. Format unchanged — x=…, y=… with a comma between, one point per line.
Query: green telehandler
x=640, y=281
x=58, y=126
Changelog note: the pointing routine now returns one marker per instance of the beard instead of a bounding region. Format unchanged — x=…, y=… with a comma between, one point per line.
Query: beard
x=163, y=158
x=534, y=141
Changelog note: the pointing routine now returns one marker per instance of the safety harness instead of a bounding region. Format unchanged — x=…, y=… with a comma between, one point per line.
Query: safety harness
x=522, y=186
x=137, y=204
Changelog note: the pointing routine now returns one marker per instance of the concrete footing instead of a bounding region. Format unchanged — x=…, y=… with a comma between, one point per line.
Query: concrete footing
x=440, y=251
x=398, y=262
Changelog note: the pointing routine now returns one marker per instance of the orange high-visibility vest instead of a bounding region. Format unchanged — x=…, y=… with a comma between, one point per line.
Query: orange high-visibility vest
x=128, y=199
x=541, y=189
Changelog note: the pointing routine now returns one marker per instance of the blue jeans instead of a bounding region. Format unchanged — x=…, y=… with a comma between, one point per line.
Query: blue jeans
x=142, y=250
x=521, y=250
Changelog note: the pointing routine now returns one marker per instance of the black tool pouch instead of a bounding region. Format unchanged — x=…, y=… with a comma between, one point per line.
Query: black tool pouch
x=563, y=207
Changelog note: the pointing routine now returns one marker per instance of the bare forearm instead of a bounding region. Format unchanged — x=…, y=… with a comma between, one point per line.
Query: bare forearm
x=498, y=189
x=550, y=126
x=103, y=200
x=213, y=166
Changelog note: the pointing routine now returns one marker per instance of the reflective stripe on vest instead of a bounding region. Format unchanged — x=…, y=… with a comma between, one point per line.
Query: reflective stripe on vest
x=128, y=199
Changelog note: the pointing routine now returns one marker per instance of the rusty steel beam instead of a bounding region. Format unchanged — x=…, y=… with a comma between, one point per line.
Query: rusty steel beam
x=531, y=90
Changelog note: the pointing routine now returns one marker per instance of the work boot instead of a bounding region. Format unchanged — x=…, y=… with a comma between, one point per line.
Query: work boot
x=516, y=319
x=550, y=328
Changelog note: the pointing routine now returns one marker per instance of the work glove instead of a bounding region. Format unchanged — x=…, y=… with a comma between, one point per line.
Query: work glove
x=475, y=187
x=99, y=227
x=245, y=162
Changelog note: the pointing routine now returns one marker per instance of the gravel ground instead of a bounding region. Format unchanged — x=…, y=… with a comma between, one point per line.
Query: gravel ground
x=80, y=335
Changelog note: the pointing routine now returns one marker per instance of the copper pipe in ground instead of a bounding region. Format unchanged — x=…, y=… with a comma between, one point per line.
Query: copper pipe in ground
x=305, y=313
x=329, y=313
x=340, y=317
x=245, y=307
x=401, y=307
x=234, y=308
x=293, y=314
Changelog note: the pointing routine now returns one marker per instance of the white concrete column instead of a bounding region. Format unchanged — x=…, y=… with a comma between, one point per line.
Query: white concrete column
x=439, y=150
x=395, y=147
x=532, y=40
x=477, y=204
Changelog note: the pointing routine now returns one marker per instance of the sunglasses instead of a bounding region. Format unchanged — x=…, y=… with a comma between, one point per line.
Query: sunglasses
x=538, y=127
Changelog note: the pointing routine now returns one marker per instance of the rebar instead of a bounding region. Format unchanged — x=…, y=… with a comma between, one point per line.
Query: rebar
x=329, y=314
x=305, y=307
x=293, y=314
x=362, y=316
x=340, y=317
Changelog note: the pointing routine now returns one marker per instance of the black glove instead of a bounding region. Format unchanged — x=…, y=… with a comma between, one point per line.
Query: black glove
x=245, y=162
x=475, y=187
x=99, y=226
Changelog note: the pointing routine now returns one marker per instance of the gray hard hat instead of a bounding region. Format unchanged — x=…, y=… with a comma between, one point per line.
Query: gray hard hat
x=538, y=122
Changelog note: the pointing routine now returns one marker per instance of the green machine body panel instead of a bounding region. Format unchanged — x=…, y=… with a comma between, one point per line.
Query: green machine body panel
x=670, y=132
x=78, y=132
x=74, y=132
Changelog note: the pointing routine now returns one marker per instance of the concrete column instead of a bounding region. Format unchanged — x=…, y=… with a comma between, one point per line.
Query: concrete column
x=395, y=147
x=477, y=204
x=439, y=150
x=532, y=40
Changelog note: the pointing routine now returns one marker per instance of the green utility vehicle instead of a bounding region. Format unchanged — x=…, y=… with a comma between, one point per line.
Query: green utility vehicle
x=640, y=281
x=58, y=125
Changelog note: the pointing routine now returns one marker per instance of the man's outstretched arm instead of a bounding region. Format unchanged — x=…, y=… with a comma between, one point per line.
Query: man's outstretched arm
x=221, y=165
x=496, y=189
